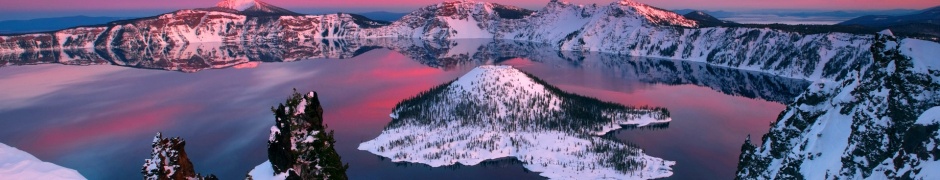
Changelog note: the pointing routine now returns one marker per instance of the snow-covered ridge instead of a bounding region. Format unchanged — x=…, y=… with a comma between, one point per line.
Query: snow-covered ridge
x=622, y=27
x=17, y=164
x=496, y=112
x=657, y=15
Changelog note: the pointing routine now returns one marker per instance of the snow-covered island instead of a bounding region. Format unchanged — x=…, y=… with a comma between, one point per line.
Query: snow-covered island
x=496, y=112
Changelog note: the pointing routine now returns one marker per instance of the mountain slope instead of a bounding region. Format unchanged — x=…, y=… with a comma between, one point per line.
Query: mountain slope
x=496, y=112
x=705, y=19
x=872, y=124
x=259, y=23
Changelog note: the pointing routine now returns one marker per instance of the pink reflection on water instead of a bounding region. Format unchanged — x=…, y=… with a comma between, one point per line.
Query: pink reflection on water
x=134, y=117
x=247, y=65
x=385, y=80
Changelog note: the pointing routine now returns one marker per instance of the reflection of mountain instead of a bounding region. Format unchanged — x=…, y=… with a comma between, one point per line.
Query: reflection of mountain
x=187, y=58
x=442, y=54
x=497, y=111
x=751, y=84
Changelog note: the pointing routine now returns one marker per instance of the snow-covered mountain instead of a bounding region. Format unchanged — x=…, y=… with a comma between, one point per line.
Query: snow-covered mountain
x=879, y=122
x=253, y=7
x=17, y=164
x=622, y=27
x=259, y=23
x=497, y=112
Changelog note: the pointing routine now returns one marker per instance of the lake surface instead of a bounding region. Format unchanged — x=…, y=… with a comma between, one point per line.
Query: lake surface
x=97, y=111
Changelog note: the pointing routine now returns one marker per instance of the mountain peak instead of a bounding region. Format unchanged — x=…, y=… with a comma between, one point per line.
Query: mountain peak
x=239, y=5
x=656, y=15
x=254, y=7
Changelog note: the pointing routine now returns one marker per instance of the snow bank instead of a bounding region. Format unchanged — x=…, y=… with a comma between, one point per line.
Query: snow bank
x=17, y=164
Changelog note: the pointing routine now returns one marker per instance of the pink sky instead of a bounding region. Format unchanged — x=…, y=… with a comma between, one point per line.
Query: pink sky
x=401, y=6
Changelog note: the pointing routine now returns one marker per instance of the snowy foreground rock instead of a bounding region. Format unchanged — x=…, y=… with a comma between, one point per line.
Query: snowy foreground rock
x=299, y=147
x=496, y=112
x=879, y=122
x=168, y=160
x=17, y=164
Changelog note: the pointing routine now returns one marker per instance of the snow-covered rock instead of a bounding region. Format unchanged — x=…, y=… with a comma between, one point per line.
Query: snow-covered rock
x=299, y=146
x=496, y=112
x=16, y=164
x=168, y=160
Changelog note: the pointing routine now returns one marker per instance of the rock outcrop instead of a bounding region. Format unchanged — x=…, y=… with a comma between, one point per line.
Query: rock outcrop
x=168, y=161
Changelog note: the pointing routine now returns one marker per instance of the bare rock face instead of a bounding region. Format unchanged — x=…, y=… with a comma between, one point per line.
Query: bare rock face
x=168, y=160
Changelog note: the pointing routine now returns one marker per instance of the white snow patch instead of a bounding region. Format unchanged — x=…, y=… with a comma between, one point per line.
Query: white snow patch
x=929, y=117
x=17, y=164
x=264, y=171
x=924, y=54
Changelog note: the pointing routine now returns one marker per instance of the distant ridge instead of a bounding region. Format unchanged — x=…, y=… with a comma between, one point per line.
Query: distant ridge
x=51, y=24
x=926, y=16
x=924, y=24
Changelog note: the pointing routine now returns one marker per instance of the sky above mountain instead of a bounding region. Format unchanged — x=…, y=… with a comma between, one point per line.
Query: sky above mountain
x=20, y=9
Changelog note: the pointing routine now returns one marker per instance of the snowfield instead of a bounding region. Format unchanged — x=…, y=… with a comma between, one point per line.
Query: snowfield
x=18, y=165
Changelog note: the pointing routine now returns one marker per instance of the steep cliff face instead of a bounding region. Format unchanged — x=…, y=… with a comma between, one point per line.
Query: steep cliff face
x=168, y=160
x=877, y=122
